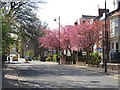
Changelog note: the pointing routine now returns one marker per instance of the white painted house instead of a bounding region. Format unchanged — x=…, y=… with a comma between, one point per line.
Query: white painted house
x=115, y=29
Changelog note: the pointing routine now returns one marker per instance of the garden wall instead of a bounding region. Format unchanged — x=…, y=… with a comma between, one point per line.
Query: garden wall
x=111, y=66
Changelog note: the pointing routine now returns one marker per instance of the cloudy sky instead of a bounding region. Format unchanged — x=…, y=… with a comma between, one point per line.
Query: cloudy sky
x=70, y=10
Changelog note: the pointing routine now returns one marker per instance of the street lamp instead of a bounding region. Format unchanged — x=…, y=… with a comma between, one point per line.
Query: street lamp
x=105, y=48
x=59, y=37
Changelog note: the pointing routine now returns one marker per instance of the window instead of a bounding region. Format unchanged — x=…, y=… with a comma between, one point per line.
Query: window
x=112, y=45
x=116, y=23
x=112, y=23
x=116, y=45
x=116, y=29
x=116, y=50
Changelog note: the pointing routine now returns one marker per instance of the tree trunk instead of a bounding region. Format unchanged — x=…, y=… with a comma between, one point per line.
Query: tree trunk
x=36, y=50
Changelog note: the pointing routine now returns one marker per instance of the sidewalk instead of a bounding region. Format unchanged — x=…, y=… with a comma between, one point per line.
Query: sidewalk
x=10, y=76
x=112, y=73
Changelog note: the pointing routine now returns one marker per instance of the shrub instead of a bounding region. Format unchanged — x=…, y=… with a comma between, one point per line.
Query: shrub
x=30, y=53
x=94, y=59
x=36, y=58
x=54, y=57
x=47, y=58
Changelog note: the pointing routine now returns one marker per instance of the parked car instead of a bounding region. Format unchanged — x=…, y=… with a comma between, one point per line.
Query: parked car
x=29, y=58
x=114, y=57
x=13, y=57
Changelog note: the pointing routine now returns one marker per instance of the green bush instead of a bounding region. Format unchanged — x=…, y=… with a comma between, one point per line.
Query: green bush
x=36, y=58
x=47, y=58
x=54, y=57
x=94, y=59
x=30, y=53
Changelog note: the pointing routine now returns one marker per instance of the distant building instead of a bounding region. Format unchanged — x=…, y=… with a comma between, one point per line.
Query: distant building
x=86, y=17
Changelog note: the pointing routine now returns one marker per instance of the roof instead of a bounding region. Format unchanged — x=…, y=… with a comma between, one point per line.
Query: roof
x=111, y=14
x=87, y=17
x=116, y=14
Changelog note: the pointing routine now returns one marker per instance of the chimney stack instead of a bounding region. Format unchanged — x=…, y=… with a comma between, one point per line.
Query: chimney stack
x=101, y=11
x=76, y=23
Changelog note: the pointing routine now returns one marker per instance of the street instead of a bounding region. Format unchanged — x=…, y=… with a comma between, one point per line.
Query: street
x=38, y=74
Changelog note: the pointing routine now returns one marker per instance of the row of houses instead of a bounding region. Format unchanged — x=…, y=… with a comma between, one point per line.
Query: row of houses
x=113, y=28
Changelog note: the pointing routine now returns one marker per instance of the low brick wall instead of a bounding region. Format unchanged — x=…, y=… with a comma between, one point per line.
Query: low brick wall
x=81, y=63
x=111, y=66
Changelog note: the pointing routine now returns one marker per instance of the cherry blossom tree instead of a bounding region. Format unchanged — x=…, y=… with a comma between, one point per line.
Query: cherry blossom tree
x=88, y=34
x=73, y=37
x=81, y=36
x=50, y=39
x=77, y=37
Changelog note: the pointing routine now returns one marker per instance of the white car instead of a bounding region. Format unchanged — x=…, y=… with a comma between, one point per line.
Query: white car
x=13, y=57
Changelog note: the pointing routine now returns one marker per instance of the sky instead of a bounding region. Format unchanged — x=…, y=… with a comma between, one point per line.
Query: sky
x=70, y=10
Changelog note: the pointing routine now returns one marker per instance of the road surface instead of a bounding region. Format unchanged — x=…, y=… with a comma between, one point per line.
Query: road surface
x=38, y=74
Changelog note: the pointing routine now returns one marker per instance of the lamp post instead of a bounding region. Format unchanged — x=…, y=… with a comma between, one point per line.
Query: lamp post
x=59, y=37
x=105, y=57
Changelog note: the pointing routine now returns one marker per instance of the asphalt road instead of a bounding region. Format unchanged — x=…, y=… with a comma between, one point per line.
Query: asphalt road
x=38, y=74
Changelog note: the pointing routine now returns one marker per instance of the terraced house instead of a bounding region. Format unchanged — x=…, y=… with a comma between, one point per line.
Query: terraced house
x=114, y=18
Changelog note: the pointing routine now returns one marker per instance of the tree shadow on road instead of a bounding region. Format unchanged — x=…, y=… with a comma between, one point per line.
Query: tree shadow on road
x=32, y=70
x=11, y=83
